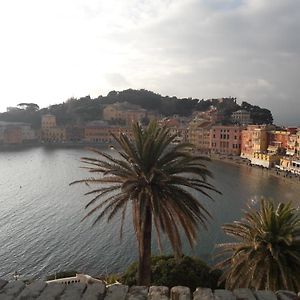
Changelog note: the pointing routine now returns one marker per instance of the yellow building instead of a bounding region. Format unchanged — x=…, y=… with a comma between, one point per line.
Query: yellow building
x=51, y=133
x=125, y=113
x=265, y=160
x=199, y=134
x=48, y=121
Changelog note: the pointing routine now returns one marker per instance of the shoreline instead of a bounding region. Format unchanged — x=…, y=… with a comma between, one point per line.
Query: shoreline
x=292, y=179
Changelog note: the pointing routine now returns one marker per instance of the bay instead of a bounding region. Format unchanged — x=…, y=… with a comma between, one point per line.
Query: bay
x=40, y=214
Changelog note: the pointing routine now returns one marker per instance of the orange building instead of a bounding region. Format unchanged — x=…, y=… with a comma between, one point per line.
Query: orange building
x=101, y=132
x=255, y=139
x=126, y=113
x=292, y=145
x=225, y=139
x=199, y=134
x=279, y=139
x=13, y=135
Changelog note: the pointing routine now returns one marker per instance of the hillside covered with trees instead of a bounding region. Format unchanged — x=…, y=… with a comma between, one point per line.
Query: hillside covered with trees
x=77, y=111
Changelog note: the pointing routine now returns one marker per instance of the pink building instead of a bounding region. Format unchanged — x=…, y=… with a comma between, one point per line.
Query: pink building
x=226, y=139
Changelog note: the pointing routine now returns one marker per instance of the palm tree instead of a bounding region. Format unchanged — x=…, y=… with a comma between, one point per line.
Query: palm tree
x=267, y=254
x=157, y=181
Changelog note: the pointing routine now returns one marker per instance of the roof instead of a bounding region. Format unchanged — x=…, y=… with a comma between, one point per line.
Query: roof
x=4, y=123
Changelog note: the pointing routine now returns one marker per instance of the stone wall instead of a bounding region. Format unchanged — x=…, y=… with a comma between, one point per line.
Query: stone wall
x=98, y=291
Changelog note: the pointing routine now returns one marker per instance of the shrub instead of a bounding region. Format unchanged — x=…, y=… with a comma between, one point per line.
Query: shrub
x=165, y=270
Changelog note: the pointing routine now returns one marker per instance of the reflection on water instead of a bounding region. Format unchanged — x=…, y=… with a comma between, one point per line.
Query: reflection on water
x=40, y=214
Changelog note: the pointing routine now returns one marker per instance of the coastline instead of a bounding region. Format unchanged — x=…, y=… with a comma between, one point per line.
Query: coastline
x=292, y=179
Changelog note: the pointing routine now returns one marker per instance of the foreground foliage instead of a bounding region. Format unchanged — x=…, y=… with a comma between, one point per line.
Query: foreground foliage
x=167, y=271
x=267, y=254
x=156, y=180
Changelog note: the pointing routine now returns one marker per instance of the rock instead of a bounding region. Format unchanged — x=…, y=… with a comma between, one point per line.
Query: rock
x=52, y=291
x=158, y=293
x=2, y=284
x=94, y=291
x=180, y=293
x=265, y=295
x=244, y=294
x=33, y=290
x=224, y=295
x=203, y=294
x=286, y=295
x=137, y=293
x=13, y=288
x=116, y=292
x=73, y=291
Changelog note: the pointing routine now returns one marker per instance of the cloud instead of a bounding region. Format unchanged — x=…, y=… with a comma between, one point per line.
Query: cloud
x=190, y=48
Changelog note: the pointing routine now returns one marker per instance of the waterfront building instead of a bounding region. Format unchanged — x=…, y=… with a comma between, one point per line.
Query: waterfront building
x=298, y=144
x=74, y=133
x=279, y=139
x=50, y=132
x=199, y=134
x=101, y=132
x=289, y=164
x=292, y=145
x=267, y=160
x=16, y=133
x=225, y=139
x=28, y=134
x=241, y=117
x=13, y=135
x=255, y=139
x=126, y=113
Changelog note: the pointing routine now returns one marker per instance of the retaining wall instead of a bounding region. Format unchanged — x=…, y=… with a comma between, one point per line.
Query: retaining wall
x=98, y=291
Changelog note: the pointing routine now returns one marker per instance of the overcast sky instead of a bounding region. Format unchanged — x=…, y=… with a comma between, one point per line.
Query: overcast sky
x=52, y=50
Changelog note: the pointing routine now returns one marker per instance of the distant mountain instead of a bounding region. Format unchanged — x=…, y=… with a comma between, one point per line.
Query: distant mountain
x=78, y=111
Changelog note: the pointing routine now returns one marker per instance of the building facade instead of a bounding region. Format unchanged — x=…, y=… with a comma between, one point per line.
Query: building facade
x=126, y=113
x=199, y=134
x=16, y=133
x=225, y=139
x=50, y=132
x=255, y=139
x=241, y=117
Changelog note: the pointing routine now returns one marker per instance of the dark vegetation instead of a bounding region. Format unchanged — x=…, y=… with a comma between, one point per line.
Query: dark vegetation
x=166, y=271
x=78, y=111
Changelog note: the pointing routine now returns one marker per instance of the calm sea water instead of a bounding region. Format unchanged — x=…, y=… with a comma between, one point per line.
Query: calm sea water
x=40, y=214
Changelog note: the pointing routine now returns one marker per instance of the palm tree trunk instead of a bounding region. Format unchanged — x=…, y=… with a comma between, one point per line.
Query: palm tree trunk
x=144, y=269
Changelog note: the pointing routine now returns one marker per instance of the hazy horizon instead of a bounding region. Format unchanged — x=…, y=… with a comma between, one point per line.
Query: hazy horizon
x=249, y=49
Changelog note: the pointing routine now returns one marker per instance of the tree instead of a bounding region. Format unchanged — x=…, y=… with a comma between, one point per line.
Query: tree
x=157, y=180
x=29, y=106
x=167, y=271
x=267, y=255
